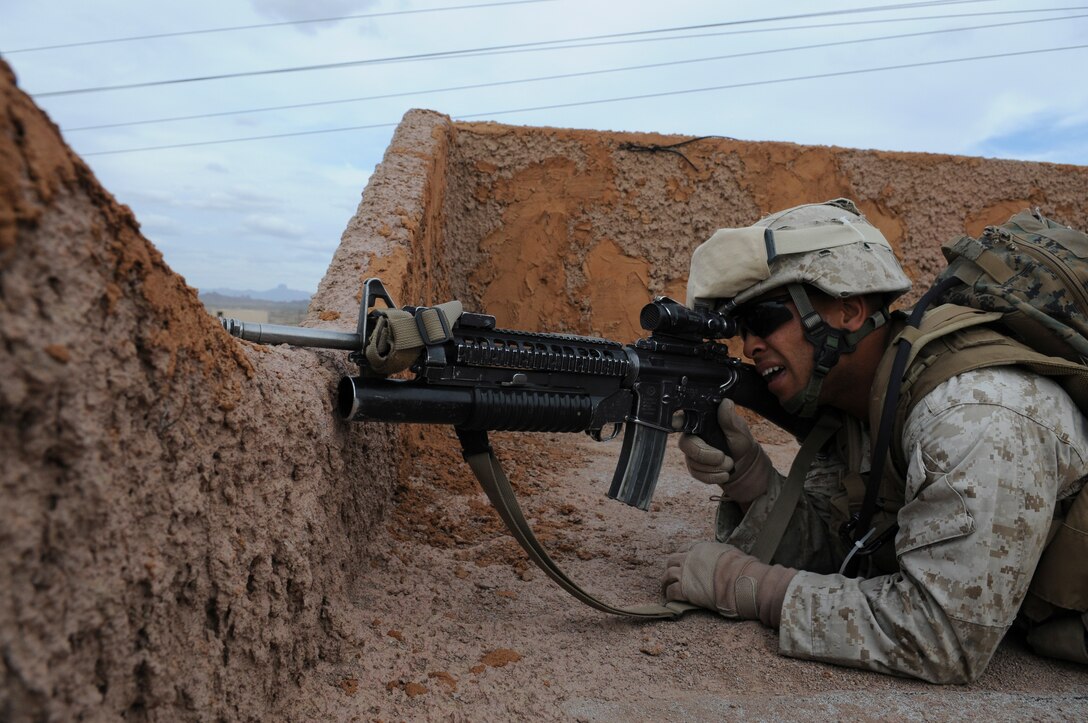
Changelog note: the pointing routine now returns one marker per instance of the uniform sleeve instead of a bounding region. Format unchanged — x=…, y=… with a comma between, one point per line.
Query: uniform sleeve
x=990, y=453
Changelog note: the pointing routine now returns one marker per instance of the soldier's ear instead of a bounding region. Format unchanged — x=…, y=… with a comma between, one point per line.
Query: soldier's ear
x=852, y=311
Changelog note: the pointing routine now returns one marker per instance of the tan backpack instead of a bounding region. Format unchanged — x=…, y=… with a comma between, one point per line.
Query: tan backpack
x=1019, y=296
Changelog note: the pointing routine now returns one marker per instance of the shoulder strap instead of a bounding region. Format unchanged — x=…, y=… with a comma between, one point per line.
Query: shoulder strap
x=952, y=340
x=897, y=356
x=943, y=320
x=774, y=528
x=921, y=358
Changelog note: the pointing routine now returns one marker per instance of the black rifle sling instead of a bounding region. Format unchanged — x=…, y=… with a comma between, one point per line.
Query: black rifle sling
x=859, y=524
x=481, y=458
x=859, y=527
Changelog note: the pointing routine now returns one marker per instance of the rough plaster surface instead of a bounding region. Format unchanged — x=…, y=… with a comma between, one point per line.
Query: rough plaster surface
x=543, y=221
x=187, y=533
x=181, y=514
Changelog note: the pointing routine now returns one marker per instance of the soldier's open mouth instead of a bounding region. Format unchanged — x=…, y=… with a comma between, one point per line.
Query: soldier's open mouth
x=772, y=373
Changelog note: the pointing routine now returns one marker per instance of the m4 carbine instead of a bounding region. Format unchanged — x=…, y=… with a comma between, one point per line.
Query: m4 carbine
x=469, y=374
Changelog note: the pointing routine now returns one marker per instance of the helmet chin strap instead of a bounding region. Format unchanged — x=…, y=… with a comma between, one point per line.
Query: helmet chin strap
x=829, y=345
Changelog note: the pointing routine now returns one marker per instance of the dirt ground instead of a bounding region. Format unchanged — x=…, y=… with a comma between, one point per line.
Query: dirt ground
x=460, y=626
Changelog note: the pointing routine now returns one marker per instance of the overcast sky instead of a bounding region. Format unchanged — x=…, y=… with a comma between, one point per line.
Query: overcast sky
x=251, y=214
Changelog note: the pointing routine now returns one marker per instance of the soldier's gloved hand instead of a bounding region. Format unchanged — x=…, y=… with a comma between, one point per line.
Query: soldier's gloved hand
x=745, y=474
x=720, y=577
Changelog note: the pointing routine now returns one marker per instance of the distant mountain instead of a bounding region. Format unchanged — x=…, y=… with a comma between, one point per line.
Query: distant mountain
x=280, y=293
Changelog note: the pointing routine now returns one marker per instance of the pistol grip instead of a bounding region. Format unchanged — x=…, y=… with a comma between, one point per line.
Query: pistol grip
x=712, y=434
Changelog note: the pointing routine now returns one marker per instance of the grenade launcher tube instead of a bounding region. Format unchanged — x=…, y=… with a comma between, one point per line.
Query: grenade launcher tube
x=474, y=408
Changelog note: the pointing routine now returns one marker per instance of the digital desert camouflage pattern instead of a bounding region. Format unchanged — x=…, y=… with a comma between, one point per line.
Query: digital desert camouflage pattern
x=830, y=246
x=991, y=452
x=1034, y=267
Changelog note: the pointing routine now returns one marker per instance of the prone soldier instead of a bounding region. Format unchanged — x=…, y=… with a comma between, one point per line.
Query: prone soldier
x=988, y=458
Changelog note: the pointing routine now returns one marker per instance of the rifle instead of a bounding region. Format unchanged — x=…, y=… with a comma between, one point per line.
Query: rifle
x=469, y=374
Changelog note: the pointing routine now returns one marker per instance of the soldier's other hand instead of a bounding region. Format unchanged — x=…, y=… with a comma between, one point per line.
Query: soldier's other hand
x=720, y=577
x=670, y=581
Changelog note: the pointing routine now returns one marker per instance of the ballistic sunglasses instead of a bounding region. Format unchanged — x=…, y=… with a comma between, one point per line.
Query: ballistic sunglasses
x=763, y=318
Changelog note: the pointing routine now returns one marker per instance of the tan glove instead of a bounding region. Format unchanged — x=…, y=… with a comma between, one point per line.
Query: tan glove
x=720, y=577
x=745, y=475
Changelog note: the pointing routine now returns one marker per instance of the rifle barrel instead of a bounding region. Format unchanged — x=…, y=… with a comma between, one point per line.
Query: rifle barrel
x=293, y=335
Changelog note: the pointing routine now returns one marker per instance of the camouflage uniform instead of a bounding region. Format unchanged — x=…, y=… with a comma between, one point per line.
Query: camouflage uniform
x=990, y=453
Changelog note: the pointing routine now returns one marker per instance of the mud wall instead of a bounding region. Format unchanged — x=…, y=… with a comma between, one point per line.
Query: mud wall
x=575, y=230
x=184, y=522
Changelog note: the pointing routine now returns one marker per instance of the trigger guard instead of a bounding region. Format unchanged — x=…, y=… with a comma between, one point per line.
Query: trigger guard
x=595, y=434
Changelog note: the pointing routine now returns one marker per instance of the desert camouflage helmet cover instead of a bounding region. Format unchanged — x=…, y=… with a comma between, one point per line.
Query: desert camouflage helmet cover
x=828, y=245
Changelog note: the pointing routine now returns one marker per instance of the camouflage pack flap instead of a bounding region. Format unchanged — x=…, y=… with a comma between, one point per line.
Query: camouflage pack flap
x=1035, y=272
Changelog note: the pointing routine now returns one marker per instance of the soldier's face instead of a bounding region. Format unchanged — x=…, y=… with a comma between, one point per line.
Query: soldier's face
x=776, y=345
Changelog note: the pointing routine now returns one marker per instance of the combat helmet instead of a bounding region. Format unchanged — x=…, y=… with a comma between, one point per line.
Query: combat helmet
x=830, y=246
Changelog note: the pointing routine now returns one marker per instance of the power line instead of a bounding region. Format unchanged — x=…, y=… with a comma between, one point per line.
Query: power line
x=748, y=31
x=454, y=53
x=247, y=138
x=155, y=36
x=565, y=76
x=774, y=81
x=600, y=101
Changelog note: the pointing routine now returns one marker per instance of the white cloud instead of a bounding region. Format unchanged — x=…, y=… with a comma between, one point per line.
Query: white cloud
x=273, y=226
